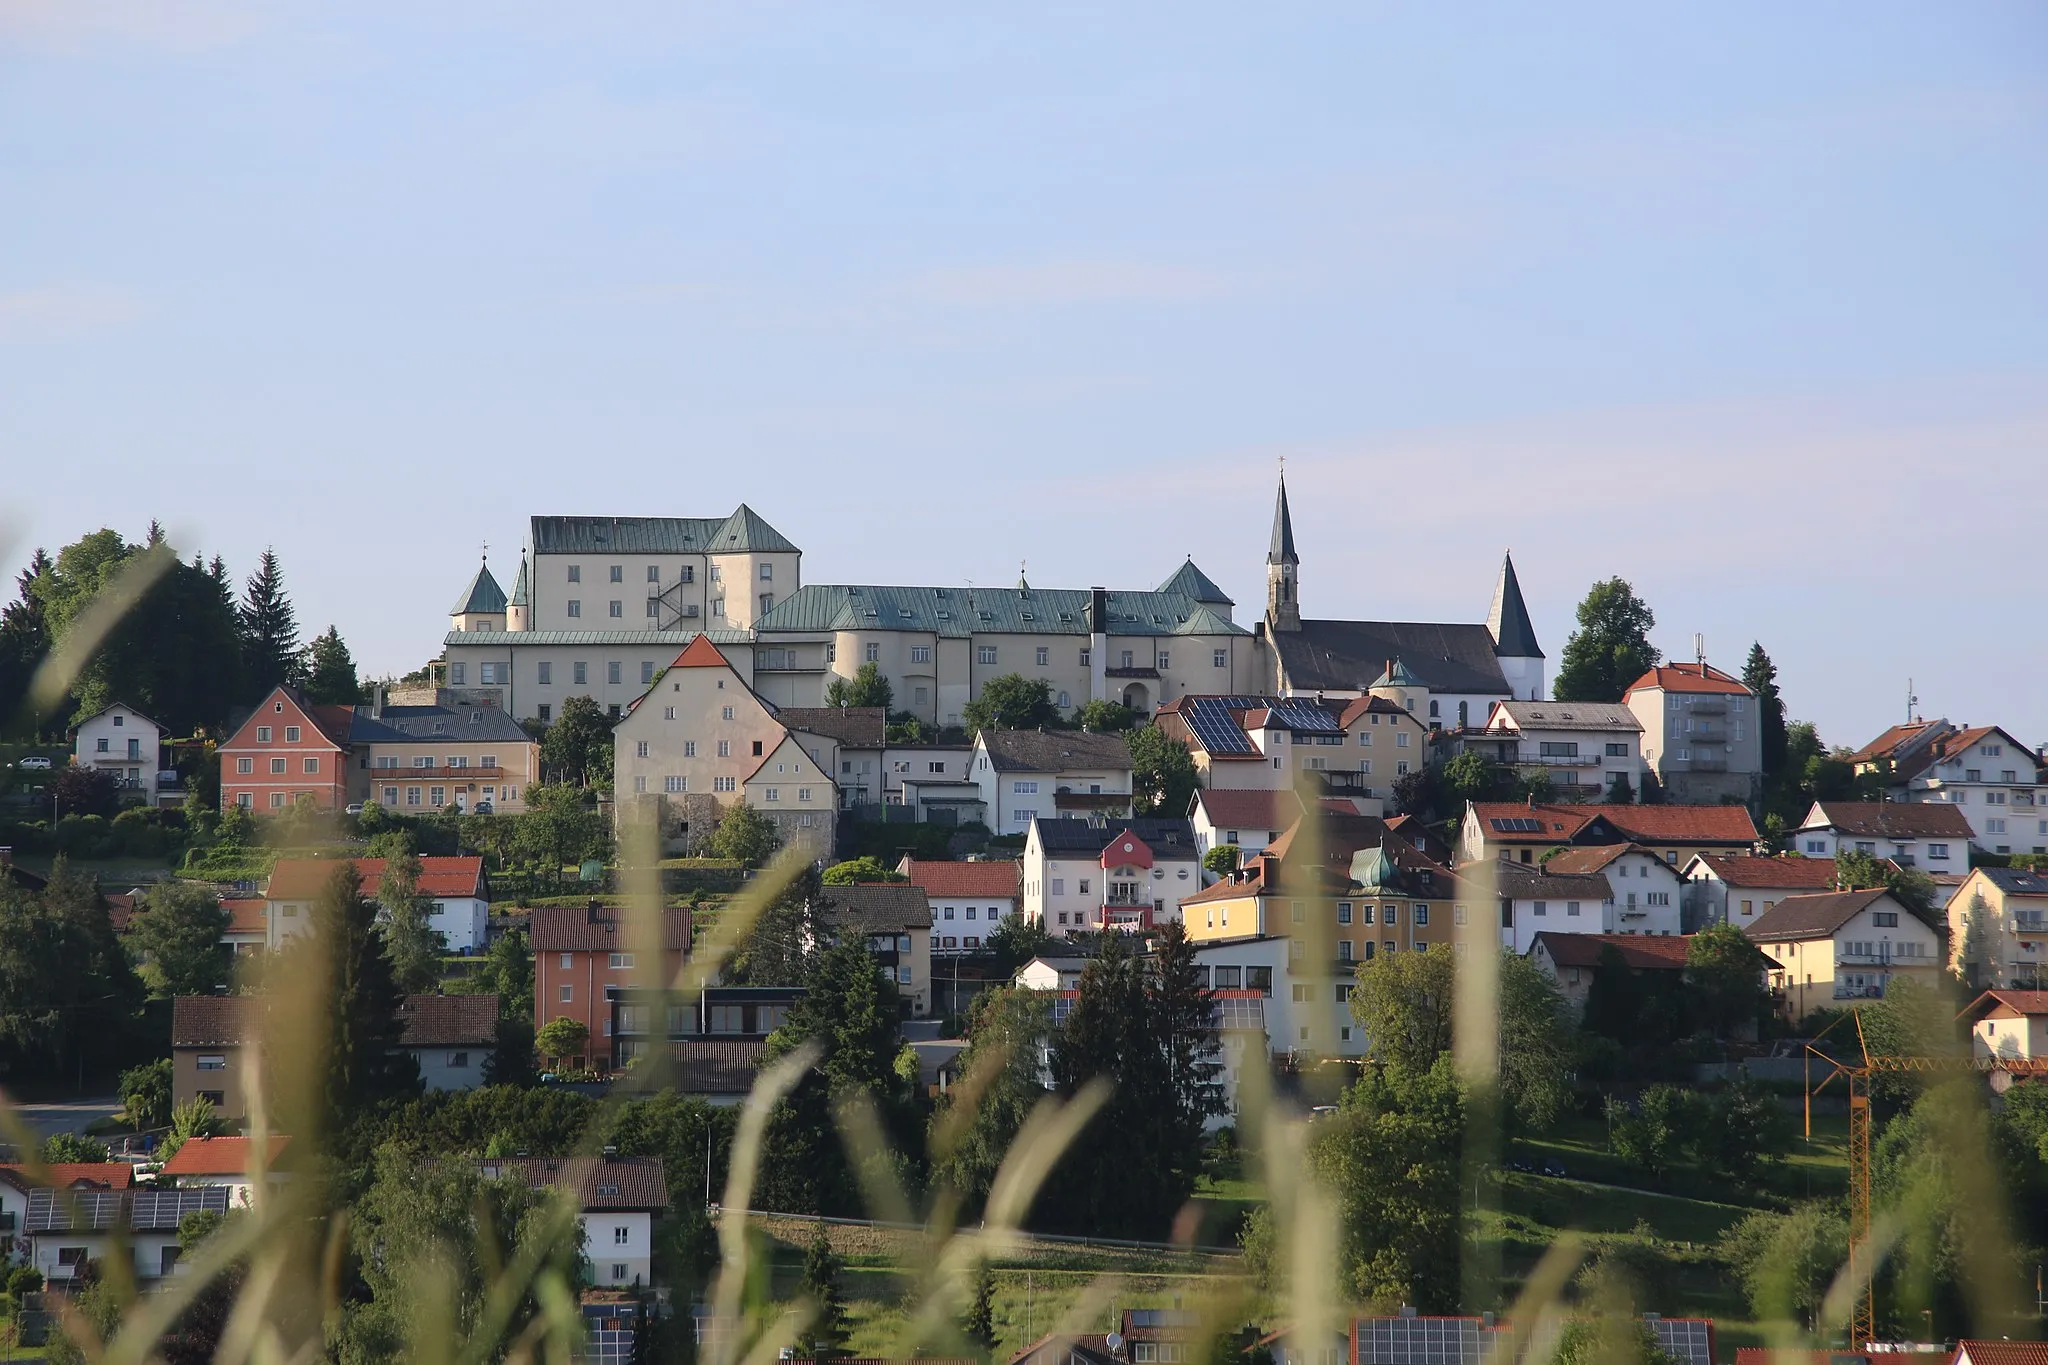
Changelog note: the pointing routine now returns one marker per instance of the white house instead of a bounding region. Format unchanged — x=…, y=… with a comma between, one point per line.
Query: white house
x=1125, y=874
x=16, y=1185
x=1027, y=775
x=1536, y=901
x=458, y=888
x=1932, y=837
x=620, y=1197
x=2009, y=1024
x=123, y=743
x=1649, y=895
x=223, y=1163
x=1984, y=771
x=66, y=1228
x=1582, y=746
x=451, y=1037
x=1736, y=888
x=1247, y=818
x=969, y=901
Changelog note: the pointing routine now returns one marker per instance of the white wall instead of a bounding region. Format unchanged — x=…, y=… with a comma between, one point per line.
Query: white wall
x=610, y=1257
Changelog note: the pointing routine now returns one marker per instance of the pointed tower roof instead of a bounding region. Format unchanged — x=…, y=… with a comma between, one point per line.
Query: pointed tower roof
x=519, y=588
x=1282, y=550
x=745, y=530
x=700, y=653
x=1397, y=675
x=484, y=595
x=1191, y=583
x=1508, y=622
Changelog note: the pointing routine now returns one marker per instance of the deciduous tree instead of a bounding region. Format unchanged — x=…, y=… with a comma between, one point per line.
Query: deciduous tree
x=577, y=748
x=1390, y=1155
x=1163, y=778
x=1106, y=717
x=179, y=932
x=745, y=835
x=1011, y=702
x=410, y=940
x=867, y=687
x=1611, y=648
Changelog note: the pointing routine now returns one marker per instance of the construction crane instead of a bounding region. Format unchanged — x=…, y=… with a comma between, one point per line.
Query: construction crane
x=1863, y=1310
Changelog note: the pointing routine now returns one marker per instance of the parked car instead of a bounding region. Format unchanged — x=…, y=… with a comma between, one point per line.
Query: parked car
x=356, y=809
x=481, y=808
x=36, y=763
x=1553, y=1168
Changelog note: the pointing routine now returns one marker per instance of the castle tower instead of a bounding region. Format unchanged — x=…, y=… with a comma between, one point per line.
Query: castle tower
x=482, y=607
x=517, y=606
x=1514, y=638
x=1283, y=569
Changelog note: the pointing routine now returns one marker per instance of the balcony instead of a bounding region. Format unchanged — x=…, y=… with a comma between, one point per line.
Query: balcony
x=1716, y=763
x=764, y=664
x=1869, y=992
x=1559, y=760
x=1338, y=782
x=1708, y=706
x=2030, y=921
x=478, y=773
x=1119, y=901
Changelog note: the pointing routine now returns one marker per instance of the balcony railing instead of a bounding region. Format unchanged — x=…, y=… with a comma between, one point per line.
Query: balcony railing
x=1116, y=902
x=1708, y=706
x=1560, y=760
x=2030, y=922
x=1717, y=763
x=1867, y=992
x=478, y=773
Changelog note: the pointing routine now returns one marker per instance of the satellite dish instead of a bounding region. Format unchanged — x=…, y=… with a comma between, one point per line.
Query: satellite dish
x=1115, y=1342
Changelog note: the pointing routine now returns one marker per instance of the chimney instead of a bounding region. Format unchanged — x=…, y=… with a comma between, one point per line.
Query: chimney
x=590, y=915
x=1390, y=670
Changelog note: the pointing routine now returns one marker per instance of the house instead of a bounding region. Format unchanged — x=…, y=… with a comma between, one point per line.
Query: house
x=896, y=920
x=420, y=759
x=248, y=928
x=1026, y=775
x=1583, y=748
x=207, y=1033
x=1700, y=735
x=1535, y=900
x=1934, y=838
x=1409, y=1339
x=1992, y=777
x=931, y=776
x=1648, y=893
x=1998, y=928
x=715, y=1045
x=1127, y=874
x=1523, y=831
x=126, y=745
x=226, y=1163
x=452, y=1037
x=1269, y=1002
x=852, y=739
x=458, y=887
x=582, y=958
x=968, y=900
x=2000, y=1352
x=1246, y=819
x=1464, y=668
x=66, y=1228
x=1736, y=888
x=699, y=740
x=1048, y=973
x=1069, y=1348
x=1829, y=949
x=17, y=1183
x=2009, y=1024
x=1571, y=959
x=620, y=1197
x=1352, y=748
x=289, y=750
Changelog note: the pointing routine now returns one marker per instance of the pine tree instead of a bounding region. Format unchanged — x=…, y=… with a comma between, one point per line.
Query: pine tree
x=1760, y=676
x=1186, y=1019
x=24, y=640
x=270, y=629
x=825, y=1338
x=979, y=1323
x=364, y=1063
x=409, y=939
x=331, y=671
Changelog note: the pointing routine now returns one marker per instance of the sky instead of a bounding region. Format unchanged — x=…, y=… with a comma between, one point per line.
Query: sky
x=1745, y=303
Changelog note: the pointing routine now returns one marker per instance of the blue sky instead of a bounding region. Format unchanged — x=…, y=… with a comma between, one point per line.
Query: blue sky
x=1744, y=303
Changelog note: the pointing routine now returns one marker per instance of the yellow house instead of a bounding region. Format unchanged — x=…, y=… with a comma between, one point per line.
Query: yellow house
x=421, y=759
x=1998, y=928
x=1836, y=949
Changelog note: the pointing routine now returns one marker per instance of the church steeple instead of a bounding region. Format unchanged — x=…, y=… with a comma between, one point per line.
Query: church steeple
x=1514, y=637
x=1283, y=567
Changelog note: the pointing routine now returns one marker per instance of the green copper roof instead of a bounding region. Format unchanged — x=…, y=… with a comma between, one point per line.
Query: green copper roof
x=519, y=590
x=961, y=612
x=1373, y=870
x=657, y=639
x=1397, y=676
x=484, y=595
x=1192, y=583
x=743, y=531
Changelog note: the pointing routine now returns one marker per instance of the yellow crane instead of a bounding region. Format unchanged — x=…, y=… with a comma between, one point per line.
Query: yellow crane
x=1863, y=1311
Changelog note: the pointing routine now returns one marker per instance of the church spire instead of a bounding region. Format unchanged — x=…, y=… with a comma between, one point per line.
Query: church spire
x=1283, y=566
x=1282, y=550
x=1508, y=621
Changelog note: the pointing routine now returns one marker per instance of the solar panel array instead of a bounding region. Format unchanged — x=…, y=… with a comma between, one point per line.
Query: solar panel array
x=163, y=1210
x=1163, y=1317
x=1211, y=720
x=1241, y=1014
x=1519, y=824
x=68, y=1210
x=1689, y=1339
x=1422, y=1341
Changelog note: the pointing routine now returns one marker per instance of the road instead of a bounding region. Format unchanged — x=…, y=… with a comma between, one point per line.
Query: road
x=68, y=1116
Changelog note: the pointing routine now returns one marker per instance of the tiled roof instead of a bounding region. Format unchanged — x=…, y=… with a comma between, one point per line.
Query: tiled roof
x=655, y=641
x=2029, y=1003
x=303, y=879
x=1412, y=1339
x=1888, y=744
x=1569, y=715
x=245, y=915
x=1345, y=656
x=610, y=1182
x=1591, y=858
x=568, y=929
x=484, y=595
x=1054, y=751
x=717, y=1068
x=1890, y=819
x=1070, y=838
x=65, y=1175
x=877, y=907
x=449, y=1021
x=856, y=727
x=1060, y=1348
x=701, y=652
x=121, y=909
x=1525, y=883
x=1249, y=808
x=1765, y=1355
x=1507, y=821
x=741, y=531
x=1694, y=677
x=214, y=1020
x=1644, y=952
x=1191, y=583
x=218, y=1155
x=1812, y=874
x=1682, y=824
x=1814, y=915
x=2001, y=1353
x=941, y=880
x=961, y=612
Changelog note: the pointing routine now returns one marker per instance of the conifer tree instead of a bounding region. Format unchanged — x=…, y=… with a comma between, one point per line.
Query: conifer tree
x=331, y=671
x=364, y=1063
x=825, y=1338
x=1760, y=676
x=409, y=939
x=24, y=640
x=270, y=629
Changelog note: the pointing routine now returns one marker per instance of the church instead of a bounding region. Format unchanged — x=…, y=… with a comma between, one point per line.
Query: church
x=1452, y=673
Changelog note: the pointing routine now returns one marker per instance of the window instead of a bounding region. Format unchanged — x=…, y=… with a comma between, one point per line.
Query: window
x=1560, y=748
x=920, y=654
x=619, y=1235
x=723, y=784
x=1084, y=658
x=1817, y=846
x=245, y=765
x=104, y=743
x=772, y=794
x=1542, y=907
x=412, y=795
x=1162, y=660
x=1401, y=740
x=437, y=796
x=1300, y=998
x=646, y=670
x=717, y=573
x=546, y=675
x=725, y=748
x=263, y=734
x=423, y=761
x=1220, y=659
x=458, y=1059
x=985, y=654
x=725, y=713
x=872, y=653
x=579, y=674
x=767, y=602
x=1421, y=913
x=1024, y=788
x=312, y=765
x=1885, y=919
x=568, y=993
x=575, y=573
x=1065, y=701
x=621, y=961
x=718, y=607
x=1044, y=656
x=1937, y=850
x=675, y=784
x=277, y=765
x=213, y=1062
x=757, y=748
x=611, y=673
x=1343, y=912
x=1125, y=657
x=575, y=606
x=291, y=734
x=1994, y=826
x=767, y=573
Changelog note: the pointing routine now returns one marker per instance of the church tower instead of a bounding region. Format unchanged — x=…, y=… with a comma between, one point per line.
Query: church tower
x=1283, y=569
x=1514, y=638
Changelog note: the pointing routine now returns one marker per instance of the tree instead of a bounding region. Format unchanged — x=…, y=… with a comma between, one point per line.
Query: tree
x=1223, y=859
x=270, y=628
x=560, y=827
x=146, y=1094
x=1472, y=776
x=195, y=1118
x=1724, y=978
x=1651, y=1135
x=1611, y=648
x=1983, y=945
x=1015, y=942
x=1787, y=1261
x=85, y=791
x=824, y=1338
x=577, y=748
x=410, y=940
x=1404, y=1002
x=867, y=687
x=1006, y=1028
x=1621, y=792
x=1610, y=1339
x=745, y=835
x=776, y=950
x=978, y=1323
x=331, y=671
x=1179, y=993
x=1163, y=777
x=179, y=932
x=68, y=996
x=866, y=868
x=1535, y=1049
x=24, y=640
x=1419, y=792
x=1106, y=717
x=70, y=1147
x=363, y=1062
x=1390, y=1156
x=1012, y=702
x=562, y=1038
x=1760, y=676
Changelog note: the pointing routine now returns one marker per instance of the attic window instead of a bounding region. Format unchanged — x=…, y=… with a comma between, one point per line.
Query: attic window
x=476, y=718
x=873, y=612
x=1066, y=616
x=903, y=612
x=1027, y=616
x=440, y=727
x=945, y=616
x=853, y=592
x=608, y=1189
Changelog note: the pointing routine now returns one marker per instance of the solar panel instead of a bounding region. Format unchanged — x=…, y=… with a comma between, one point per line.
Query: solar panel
x=1689, y=1339
x=1516, y=825
x=165, y=1209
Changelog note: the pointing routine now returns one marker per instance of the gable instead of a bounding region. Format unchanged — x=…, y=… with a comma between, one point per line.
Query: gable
x=282, y=708
x=788, y=762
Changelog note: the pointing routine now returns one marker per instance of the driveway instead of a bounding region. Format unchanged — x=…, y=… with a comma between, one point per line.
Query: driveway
x=67, y=1116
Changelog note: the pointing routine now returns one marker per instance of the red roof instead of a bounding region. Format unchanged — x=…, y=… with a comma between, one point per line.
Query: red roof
x=1683, y=824
x=304, y=878
x=2001, y=1353
x=941, y=879
x=1232, y=808
x=1557, y=824
x=1651, y=952
x=246, y=916
x=567, y=929
x=1887, y=744
x=701, y=653
x=448, y=1021
x=1689, y=678
x=1764, y=1355
x=121, y=908
x=1810, y=874
x=65, y=1175
x=218, y=1156
x=2031, y=1004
